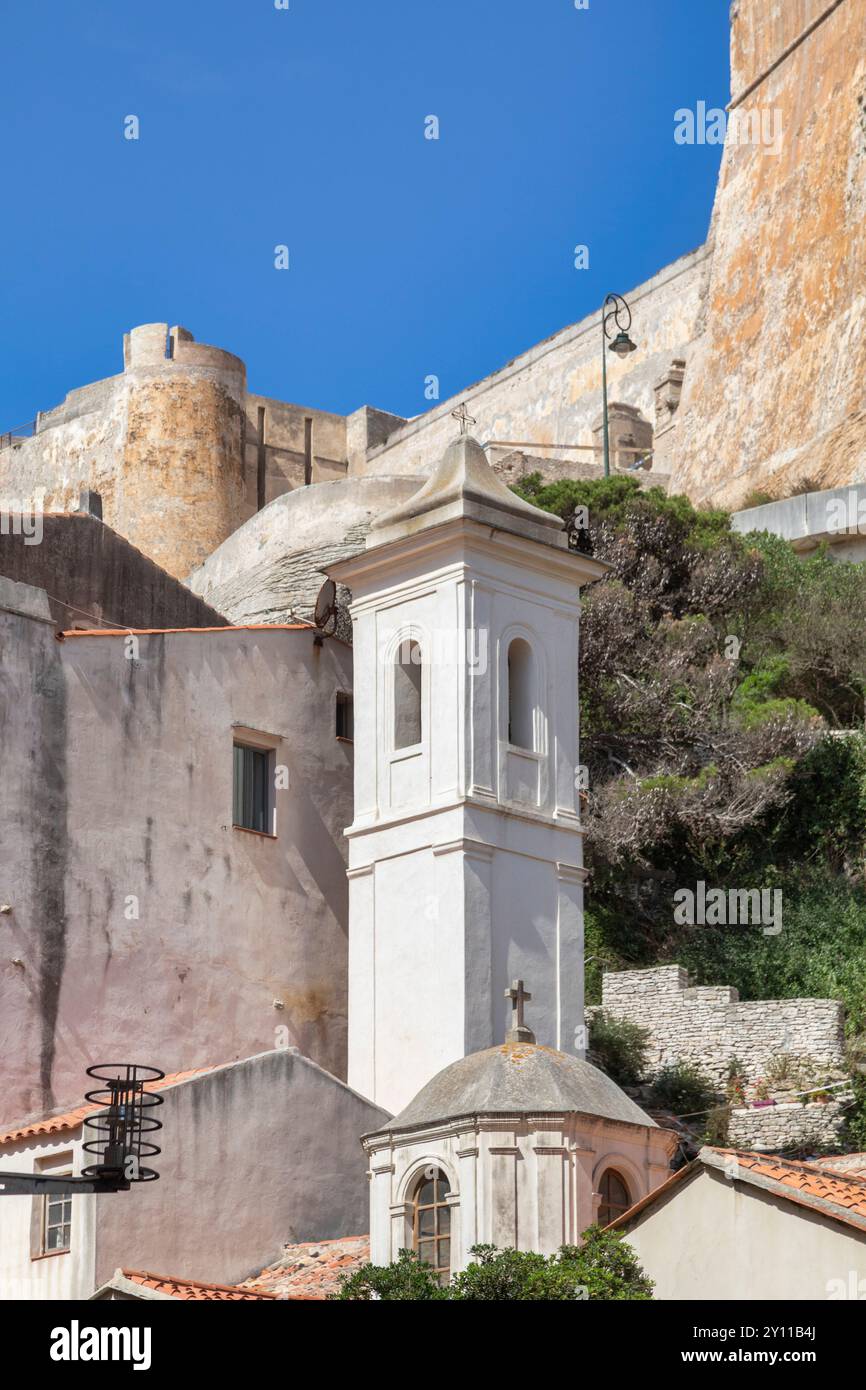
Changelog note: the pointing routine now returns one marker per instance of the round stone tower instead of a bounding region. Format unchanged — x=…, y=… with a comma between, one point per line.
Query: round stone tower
x=162, y=443
x=180, y=472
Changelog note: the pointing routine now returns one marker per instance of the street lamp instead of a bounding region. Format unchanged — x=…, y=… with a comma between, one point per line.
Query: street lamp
x=614, y=306
x=119, y=1121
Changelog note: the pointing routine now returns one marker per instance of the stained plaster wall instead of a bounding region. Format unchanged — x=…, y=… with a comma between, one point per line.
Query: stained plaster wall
x=144, y=925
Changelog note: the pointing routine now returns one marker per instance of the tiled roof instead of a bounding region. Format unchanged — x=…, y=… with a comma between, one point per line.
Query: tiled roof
x=844, y=1163
x=153, y=631
x=311, y=1270
x=845, y=1192
x=71, y=1119
x=834, y=1191
x=192, y=1290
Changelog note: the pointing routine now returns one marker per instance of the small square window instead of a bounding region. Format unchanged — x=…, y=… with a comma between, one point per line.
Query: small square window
x=56, y=1223
x=51, y=1219
x=345, y=715
x=251, y=804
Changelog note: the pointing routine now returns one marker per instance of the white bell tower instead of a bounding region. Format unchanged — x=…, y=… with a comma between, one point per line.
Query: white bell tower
x=465, y=858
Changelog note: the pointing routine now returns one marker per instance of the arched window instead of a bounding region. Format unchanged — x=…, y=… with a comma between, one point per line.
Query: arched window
x=431, y=1226
x=615, y=1197
x=407, y=695
x=521, y=694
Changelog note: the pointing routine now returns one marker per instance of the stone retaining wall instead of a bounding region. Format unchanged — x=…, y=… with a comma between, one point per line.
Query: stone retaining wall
x=708, y=1025
x=787, y=1126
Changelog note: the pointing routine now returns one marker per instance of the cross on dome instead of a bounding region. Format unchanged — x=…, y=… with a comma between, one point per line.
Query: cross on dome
x=518, y=1032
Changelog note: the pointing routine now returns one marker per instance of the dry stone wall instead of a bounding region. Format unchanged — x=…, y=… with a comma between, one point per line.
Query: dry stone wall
x=777, y=1128
x=710, y=1025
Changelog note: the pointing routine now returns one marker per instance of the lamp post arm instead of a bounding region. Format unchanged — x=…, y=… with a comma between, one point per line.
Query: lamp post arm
x=614, y=306
x=35, y=1184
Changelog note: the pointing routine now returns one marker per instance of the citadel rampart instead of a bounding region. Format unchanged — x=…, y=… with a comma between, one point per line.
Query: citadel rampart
x=775, y=390
x=551, y=395
x=750, y=369
x=180, y=452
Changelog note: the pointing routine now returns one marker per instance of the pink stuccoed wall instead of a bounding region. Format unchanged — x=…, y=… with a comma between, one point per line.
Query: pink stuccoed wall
x=117, y=788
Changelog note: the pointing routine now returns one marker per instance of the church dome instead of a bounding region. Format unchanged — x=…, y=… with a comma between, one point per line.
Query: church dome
x=519, y=1077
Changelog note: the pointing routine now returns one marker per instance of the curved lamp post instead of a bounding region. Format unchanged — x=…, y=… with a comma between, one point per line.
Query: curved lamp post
x=614, y=309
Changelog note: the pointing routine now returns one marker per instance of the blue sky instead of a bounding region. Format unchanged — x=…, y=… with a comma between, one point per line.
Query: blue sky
x=305, y=127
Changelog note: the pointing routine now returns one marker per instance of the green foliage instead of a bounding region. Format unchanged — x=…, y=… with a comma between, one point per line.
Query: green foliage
x=406, y=1279
x=810, y=629
x=854, y=1136
x=619, y=1047
x=820, y=952
x=615, y=501
x=517, y=1276
x=682, y=1088
x=755, y=498
x=723, y=693
x=604, y=1267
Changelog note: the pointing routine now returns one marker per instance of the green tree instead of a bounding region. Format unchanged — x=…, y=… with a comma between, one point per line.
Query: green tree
x=603, y=1267
x=406, y=1279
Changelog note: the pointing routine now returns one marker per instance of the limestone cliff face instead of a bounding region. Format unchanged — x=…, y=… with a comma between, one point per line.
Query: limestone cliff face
x=776, y=385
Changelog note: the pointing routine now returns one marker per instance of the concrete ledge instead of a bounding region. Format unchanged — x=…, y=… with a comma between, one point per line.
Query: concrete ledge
x=836, y=516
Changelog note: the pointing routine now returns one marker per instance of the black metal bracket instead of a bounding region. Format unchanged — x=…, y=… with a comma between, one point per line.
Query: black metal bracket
x=35, y=1184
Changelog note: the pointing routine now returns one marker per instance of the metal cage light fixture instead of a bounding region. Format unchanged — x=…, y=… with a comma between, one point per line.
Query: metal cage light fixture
x=120, y=1141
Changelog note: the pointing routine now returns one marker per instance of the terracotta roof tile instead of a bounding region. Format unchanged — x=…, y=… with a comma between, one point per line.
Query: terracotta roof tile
x=845, y=1190
x=836, y=1191
x=311, y=1270
x=71, y=1119
x=193, y=1290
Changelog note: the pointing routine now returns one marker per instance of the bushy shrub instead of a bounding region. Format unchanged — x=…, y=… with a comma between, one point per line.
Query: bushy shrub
x=682, y=1088
x=618, y=1047
x=604, y=1267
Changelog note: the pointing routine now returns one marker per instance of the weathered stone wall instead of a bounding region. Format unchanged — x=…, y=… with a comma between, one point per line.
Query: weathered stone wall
x=708, y=1025
x=162, y=444
x=777, y=1128
x=274, y=566
x=276, y=436
x=552, y=394
x=94, y=578
x=775, y=389
x=33, y=866
x=254, y=1155
x=513, y=466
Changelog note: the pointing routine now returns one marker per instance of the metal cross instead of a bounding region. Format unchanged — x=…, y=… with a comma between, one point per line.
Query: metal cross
x=462, y=414
x=518, y=996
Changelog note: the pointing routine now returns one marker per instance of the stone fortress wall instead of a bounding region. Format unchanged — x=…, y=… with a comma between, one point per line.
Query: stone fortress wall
x=174, y=445
x=183, y=454
x=551, y=395
x=750, y=369
x=778, y=1128
x=775, y=390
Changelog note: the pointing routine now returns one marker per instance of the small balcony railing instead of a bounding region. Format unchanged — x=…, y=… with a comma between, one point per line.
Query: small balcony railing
x=19, y=432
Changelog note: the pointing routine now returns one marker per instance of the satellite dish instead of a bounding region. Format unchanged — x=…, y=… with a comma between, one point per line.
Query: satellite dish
x=326, y=605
